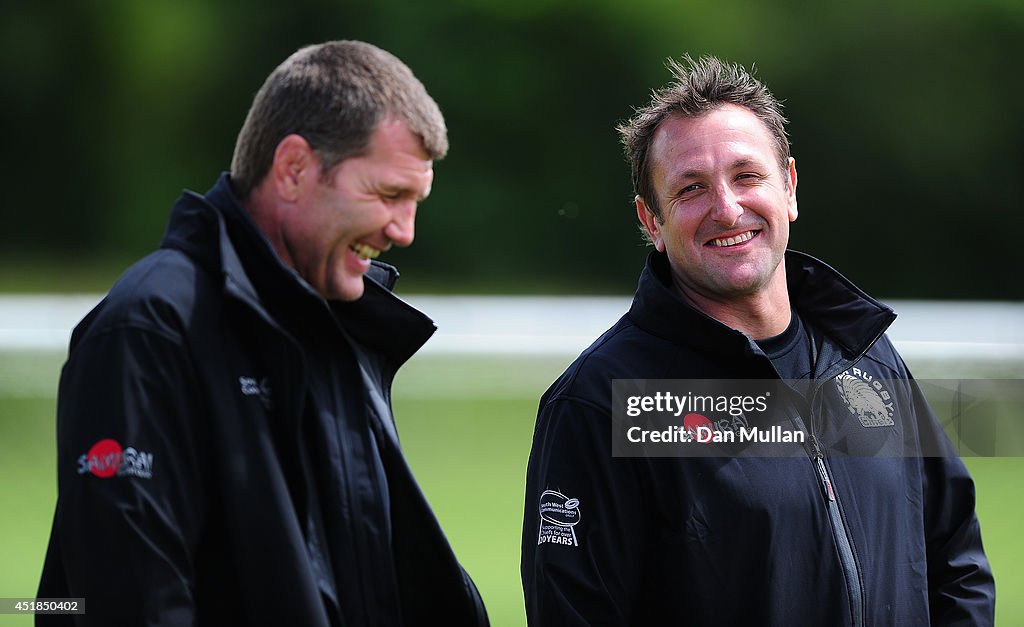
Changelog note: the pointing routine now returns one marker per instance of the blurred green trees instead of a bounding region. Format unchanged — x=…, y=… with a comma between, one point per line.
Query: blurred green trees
x=905, y=121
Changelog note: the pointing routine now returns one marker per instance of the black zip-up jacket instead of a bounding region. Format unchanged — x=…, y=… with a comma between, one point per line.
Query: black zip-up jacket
x=227, y=453
x=817, y=539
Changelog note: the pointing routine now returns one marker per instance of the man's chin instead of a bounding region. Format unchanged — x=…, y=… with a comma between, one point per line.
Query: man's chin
x=737, y=285
x=348, y=290
x=746, y=286
x=745, y=280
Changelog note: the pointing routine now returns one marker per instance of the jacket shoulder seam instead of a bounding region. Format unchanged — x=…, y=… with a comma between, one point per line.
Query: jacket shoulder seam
x=587, y=354
x=576, y=399
x=134, y=326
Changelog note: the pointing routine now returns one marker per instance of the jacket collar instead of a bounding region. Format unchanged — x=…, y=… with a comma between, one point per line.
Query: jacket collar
x=216, y=232
x=829, y=300
x=822, y=297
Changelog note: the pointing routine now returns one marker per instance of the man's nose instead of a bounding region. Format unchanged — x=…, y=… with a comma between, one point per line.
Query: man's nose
x=726, y=209
x=402, y=228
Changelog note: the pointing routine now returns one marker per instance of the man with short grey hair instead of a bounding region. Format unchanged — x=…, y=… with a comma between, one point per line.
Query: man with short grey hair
x=227, y=453
x=857, y=513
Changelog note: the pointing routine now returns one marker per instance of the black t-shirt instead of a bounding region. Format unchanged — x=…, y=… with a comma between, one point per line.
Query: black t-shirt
x=793, y=351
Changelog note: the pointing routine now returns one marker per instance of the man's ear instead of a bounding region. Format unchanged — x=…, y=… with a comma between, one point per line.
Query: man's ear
x=650, y=222
x=791, y=180
x=293, y=167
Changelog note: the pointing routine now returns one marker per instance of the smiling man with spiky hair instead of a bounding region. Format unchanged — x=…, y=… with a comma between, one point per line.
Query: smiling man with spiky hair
x=868, y=516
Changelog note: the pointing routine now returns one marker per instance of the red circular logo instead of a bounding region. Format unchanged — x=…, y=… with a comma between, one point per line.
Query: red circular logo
x=692, y=421
x=104, y=458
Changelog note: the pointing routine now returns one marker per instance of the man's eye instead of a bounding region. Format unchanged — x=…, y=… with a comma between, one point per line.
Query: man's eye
x=689, y=188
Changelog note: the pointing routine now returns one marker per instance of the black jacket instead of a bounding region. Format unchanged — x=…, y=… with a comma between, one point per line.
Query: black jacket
x=226, y=449
x=841, y=539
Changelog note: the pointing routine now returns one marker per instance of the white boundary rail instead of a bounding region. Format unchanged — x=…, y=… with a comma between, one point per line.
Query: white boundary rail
x=550, y=325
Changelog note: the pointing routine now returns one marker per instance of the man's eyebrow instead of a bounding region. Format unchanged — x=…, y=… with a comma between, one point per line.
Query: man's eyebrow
x=742, y=162
x=693, y=173
x=402, y=189
x=696, y=173
x=746, y=162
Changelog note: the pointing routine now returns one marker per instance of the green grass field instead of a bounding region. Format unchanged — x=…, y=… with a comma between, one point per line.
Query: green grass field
x=466, y=426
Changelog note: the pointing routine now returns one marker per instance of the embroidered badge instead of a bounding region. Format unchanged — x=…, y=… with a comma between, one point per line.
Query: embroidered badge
x=558, y=515
x=866, y=398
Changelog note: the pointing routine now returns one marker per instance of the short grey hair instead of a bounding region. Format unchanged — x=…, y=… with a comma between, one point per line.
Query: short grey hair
x=334, y=95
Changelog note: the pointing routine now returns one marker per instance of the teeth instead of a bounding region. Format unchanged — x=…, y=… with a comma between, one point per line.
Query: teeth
x=732, y=241
x=364, y=251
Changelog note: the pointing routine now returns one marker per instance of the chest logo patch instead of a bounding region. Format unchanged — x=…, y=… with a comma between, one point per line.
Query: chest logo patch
x=866, y=398
x=559, y=515
x=261, y=389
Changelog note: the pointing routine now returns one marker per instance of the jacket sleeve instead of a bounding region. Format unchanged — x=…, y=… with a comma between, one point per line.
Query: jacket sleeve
x=961, y=590
x=583, y=531
x=130, y=480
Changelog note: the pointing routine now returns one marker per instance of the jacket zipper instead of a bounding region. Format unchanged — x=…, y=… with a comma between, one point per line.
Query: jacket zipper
x=847, y=559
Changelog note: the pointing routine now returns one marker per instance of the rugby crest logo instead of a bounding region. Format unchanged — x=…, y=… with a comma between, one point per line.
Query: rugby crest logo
x=866, y=398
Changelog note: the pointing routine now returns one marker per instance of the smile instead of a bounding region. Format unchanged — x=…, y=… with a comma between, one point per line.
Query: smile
x=365, y=251
x=734, y=240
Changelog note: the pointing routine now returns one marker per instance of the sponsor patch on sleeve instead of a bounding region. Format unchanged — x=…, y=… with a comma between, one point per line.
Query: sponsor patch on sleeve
x=559, y=516
x=107, y=459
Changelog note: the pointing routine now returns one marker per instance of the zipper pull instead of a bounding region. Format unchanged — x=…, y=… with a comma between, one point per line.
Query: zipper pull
x=819, y=460
x=815, y=447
